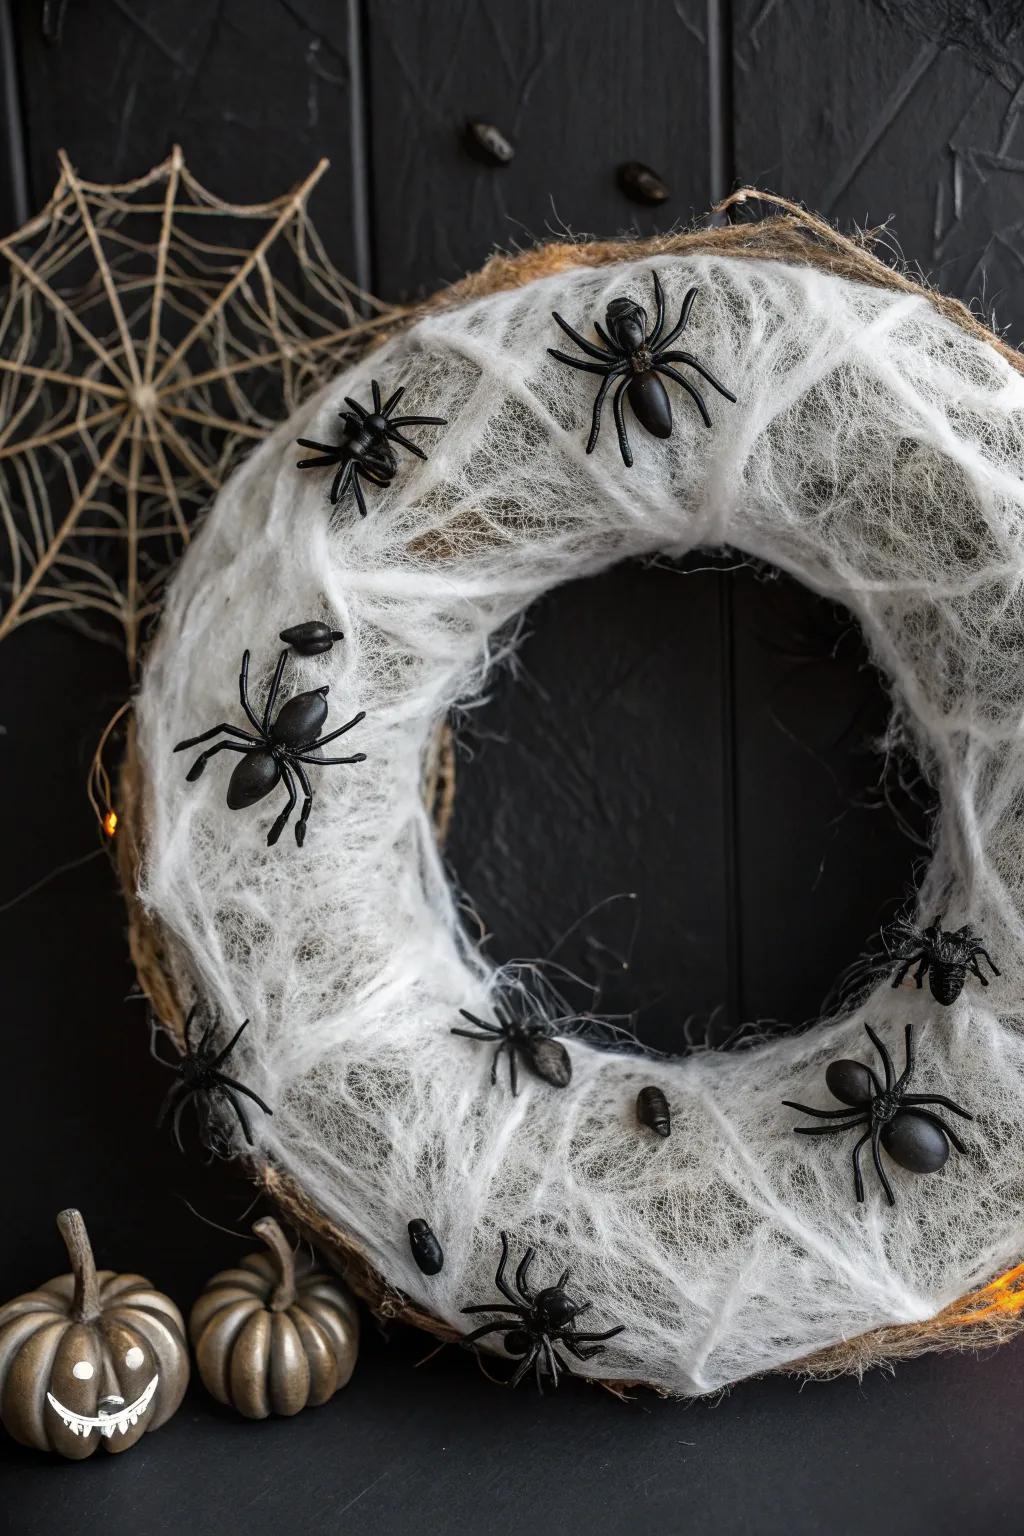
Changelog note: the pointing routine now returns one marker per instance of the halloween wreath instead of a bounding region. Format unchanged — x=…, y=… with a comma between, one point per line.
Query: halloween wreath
x=767, y=386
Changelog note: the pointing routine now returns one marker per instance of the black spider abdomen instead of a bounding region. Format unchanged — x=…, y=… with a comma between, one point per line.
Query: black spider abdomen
x=651, y=405
x=517, y=1341
x=849, y=1082
x=254, y=776
x=299, y=720
x=917, y=1144
x=946, y=982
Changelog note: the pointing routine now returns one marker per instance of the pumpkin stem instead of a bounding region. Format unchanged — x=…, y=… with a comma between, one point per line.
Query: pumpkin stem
x=284, y=1292
x=86, y=1302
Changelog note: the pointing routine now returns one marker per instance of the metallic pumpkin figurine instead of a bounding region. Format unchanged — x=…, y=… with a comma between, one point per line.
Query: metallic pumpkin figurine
x=903, y=1123
x=637, y=357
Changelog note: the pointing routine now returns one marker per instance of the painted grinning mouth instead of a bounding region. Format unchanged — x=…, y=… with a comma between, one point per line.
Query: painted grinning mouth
x=106, y=1423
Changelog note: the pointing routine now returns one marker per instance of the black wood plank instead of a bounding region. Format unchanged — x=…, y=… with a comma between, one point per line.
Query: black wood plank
x=13, y=189
x=600, y=769
x=254, y=90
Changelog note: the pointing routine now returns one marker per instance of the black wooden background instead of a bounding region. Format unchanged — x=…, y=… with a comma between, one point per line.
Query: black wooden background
x=702, y=739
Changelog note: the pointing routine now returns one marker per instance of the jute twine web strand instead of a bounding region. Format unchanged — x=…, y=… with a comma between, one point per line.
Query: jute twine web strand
x=984, y=1317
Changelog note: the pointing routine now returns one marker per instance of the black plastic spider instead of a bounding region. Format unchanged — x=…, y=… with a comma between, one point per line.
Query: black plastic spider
x=531, y=1038
x=198, y=1072
x=943, y=956
x=636, y=357
x=539, y=1323
x=365, y=447
x=277, y=751
x=912, y=1135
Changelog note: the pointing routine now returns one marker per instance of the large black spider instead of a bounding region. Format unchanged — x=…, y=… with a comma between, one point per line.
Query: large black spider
x=538, y=1323
x=198, y=1072
x=277, y=751
x=636, y=357
x=530, y=1038
x=943, y=956
x=365, y=447
x=912, y=1135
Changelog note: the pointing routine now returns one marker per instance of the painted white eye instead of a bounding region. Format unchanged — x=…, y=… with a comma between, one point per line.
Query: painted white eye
x=134, y=1358
x=82, y=1369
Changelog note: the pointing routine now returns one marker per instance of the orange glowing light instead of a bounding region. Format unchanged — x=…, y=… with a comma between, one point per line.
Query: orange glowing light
x=110, y=823
x=1004, y=1295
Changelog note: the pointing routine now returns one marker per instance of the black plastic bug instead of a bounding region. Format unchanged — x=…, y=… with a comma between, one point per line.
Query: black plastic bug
x=199, y=1072
x=365, y=448
x=944, y=957
x=278, y=750
x=899, y=1121
x=636, y=356
x=538, y=1323
x=312, y=638
x=652, y=1110
x=426, y=1249
x=529, y=1038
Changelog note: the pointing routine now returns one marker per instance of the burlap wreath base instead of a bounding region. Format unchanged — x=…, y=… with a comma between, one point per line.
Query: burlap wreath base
x=987, y=1315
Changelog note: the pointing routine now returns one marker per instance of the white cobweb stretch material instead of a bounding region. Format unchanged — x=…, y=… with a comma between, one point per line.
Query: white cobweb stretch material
x=875, y=454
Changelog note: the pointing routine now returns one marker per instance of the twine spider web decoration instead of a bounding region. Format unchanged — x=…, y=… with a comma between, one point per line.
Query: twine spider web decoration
x=150, y=334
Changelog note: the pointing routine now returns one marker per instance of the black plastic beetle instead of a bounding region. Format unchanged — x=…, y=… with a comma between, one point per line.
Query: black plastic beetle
x=538, y=1323
x=312, y=638
x=365, y=448
x=426, y=1249
x=944, y=957
x=901, y=1122
x=636, y=357
x=277, y=752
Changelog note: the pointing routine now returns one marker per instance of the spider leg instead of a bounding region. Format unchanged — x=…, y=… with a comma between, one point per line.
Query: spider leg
x=204, y=757
x=204, y=1040
x=467, y=1034
x=306, y=442
x=275, y=686
x=581, y=341
x=986, y=956
x=876, y=1132
x=499, y=1275
x=243, y=697
x=620, y=425
x=375, y=391
x=908, y=1058
x=226, y=1052
x=947, y=1129
x=323, y=462
x=828, y=1130
x=513, y=1070
x=554, y=1364
x=562, y=1280
x=523, y=1274
x=858, y=1177
x=820, y=1114
x=189, y=1022
x=481, y=1333
x=680, y=325
x=215, y=730
x=243, y=1118
x=281, y=822
x=976, y=969
x=307, y=799
x=936, y=1098
x=406, y=443
x=691, y=390
x=921, y=972
x=592, y=1338
x=538, y=1374
x=581, y=1352
x=887, y=1065
x=691, y=362
x=419, y=421
x=241, y=1088
x=342, y=480
x=176, y=1121
x=526, y=1363
x=606, y=340
x=595, y=420
x=481, y=1023
x=581, y=363
x=322, y=741
x=659, y=306
x=360, y=498
x=578, y=1310
x=901, y=971
x=360, y=410
x=168, y=1101
x=325, y=762
x=495, y=1060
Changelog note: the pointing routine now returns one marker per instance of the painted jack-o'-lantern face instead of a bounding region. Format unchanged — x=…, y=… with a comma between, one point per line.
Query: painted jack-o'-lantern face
x=89, y=1359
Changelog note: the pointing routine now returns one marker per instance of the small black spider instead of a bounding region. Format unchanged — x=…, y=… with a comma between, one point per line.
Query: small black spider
x=912, y=1135
x=636, y=357
x=277, y=751
x=365, y=447
x=531, y=1038
x=538, y=1323
x=944, y=956
x=198, y=1072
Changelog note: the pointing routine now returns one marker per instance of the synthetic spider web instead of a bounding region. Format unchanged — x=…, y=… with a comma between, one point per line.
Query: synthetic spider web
x=150, y=334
